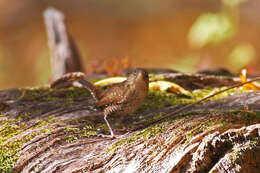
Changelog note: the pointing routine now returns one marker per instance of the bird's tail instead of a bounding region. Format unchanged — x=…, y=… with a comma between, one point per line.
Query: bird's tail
x=76, y=79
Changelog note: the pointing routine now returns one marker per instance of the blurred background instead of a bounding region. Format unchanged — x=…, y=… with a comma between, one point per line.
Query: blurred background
x=185, y=35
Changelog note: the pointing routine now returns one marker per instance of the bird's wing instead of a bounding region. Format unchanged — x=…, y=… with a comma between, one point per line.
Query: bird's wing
x=114, y=95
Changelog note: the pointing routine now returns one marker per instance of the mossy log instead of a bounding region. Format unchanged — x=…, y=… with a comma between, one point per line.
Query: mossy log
x=45, y=130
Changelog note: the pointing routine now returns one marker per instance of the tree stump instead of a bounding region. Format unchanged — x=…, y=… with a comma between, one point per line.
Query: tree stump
x=65, y=56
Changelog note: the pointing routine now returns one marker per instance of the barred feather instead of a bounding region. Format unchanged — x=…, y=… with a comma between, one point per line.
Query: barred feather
x=67, y=77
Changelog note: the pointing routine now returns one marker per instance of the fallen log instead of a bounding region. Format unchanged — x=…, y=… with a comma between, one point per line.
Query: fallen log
x=45, y=130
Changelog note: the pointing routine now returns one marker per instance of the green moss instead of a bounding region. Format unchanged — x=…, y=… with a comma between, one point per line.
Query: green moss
x=66, y=102
x=77, y=92
x=25, y=115
x=237, y=154
x=245, y=117
x=85, y=134
x=71, y=138
x=101, y=127
x=4, y=120
x=9, y=130
x=9, y=150
x=48, y=98
x=34, y=93
x=157, y=99
x=72, y=129
x=47, y=94
x=88, y=127
x=152, y=117
x=44, y=122
x=257, y=114
x=209, y=125
x=76, y=133
x=3, y=111
x=9, y=153
x=8, y=158
x=254, y=143
x=199, y=94
x=145, y=134
x=88, y=133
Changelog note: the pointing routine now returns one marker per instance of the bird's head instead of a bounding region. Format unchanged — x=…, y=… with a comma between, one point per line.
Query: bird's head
x=138, y=75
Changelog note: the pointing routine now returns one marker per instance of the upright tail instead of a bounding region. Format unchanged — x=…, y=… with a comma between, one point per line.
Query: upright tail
x=62, y=82
x=76, y=79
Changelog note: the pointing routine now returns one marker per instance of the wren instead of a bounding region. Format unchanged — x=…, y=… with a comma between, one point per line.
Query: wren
x=119, y=99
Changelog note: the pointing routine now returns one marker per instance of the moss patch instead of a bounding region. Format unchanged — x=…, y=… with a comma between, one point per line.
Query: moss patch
x=145, y=134
x=237, y=155
x=9, y=151
x=209, y=125
x=48, y=94
x=75, y=133
x=157, y=99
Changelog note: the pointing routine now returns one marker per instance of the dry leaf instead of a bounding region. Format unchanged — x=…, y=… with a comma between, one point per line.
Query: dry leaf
x=109, y=81
x=166, y=86
x=249, y=86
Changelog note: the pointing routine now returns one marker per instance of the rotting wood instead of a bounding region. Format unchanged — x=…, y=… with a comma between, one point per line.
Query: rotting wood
x=65, y=56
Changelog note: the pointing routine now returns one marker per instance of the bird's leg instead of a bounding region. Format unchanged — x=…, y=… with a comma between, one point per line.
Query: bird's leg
x=110, y=128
